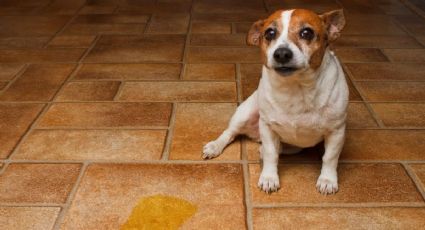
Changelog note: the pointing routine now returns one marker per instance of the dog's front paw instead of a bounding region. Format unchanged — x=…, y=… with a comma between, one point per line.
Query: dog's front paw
x=269, y=182
x=211, y=150
x=327, y=185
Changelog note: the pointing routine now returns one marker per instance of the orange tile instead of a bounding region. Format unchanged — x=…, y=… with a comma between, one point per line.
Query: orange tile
x=63, y=7
x=179, y=91
x=358, y=183
x=196, y=125
x=98, y=9
x=28, y=217
x=89, y=91
x=250, y=77
x=371, y=24
x=228, y=17
x=347, y=54
x=169, y=24
x=133, y=49
x=38, y=83
x=160, y=7
x=229, y=7
x=98, y=115
x=243, y=27
x=353, y=93
x=413, y=22
x=218, y=40
x=215, y=190
x=15, y=119
x=341, y=218
x=23, y=42
x=221, y=54
x=72, y=41
x=41, y=55
x=3, y=84
x=377, y=41
x=218, y=72
x=393, y=91
x=128, y=72
x=25, y=25
x=211, y=28
x=384, y=145
x=358, y=116
x=406, y=55
x=9, y=70
x=48, y=183
x=386, y=71
x=122, y=145
x=401, y=115
x=419, y=170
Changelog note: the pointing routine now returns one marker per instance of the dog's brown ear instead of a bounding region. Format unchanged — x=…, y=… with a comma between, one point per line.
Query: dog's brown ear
x=254, y=34
x=334, y=22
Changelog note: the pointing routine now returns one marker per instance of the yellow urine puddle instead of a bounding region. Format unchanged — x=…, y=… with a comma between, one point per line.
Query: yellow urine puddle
x=159, y=212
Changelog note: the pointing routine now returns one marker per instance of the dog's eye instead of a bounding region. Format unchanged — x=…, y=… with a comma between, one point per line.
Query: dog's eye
x=307, y=34
x=270, y=34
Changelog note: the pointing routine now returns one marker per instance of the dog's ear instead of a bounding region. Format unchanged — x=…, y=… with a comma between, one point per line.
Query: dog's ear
x=334, y=22
x=254, y=34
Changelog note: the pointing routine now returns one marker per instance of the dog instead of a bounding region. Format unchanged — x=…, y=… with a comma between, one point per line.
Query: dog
x=302, y=96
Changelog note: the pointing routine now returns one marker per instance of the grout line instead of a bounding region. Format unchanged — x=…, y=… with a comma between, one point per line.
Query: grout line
x=247, y=193
x=415, y=180
x=413, y=8
x=239, y=83
x=103, y=128
x=343, y=205
x=170, y=133
x=70, y=197
x=16, y=76
x=26, y=204
x=148, y=24
x=119, y=91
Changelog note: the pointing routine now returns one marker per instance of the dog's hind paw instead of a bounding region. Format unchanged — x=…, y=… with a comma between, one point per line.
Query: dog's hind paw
x=211, y=150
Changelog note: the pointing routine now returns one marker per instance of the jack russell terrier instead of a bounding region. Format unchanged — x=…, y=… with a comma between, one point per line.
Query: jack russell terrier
x=302, y=96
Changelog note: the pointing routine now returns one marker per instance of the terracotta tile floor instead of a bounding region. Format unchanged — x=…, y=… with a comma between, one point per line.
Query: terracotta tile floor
x=105, y=102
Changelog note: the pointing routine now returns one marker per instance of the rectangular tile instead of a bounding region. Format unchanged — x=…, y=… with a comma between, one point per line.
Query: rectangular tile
x=197, y=124
x=217, y=72
x=211, y=28
x=358, y=116
x=228, y=7
x=358, y=183
x=353, y=93
x=221, y=54
x=36, y=218
x=216, y=191
x=97, y=115
x=98, y=9
x=406, y=55
x=89, y=91
x=25, y=25
x=218, y=40
x=384, y=145
x=15, y=119
x=169, y=24
x=347, y=54
x=3, y=84
x=121, y=145
x=401, y=115
x=128, y=72
x=227, y=17
x=9, y=70
x=250, y=77
x=413, y=22
x=377, y=41
x=386, y=71
x=393, y=91
x=38, y=83
x=41, y=55
x=23, y=42
x=72, y=41
x=419, y=170
x=381, y=218
x=160, y=7
x=179, y=91
x=371, y=24
x=48, y=183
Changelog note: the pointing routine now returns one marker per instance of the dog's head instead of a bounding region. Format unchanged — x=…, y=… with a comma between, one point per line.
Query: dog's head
x=295, y=40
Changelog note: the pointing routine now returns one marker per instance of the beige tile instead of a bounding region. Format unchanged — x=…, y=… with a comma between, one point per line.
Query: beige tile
x=377, y=41
x=218, y=40
x=358, y=116
x=122, y=145
x=38, y=83
x=211, y=28
x=15, y=119
x=72, y=41
x=169, y=24
x=386, y=71
x=41, y=55
x=216, y=191
x=22, y=218
x=384, y=145
x=406, y=55
x=196, y=125
x=393, y=91
x=341, y=218
x=128, y=72
x=347, y=54
x=38, y=183
x=358, y=183
x=9, y=70
x=89, y=91
x=401, y=115
x=179, y=91
x=97, y=115
x=217, y=72
x=221, y=54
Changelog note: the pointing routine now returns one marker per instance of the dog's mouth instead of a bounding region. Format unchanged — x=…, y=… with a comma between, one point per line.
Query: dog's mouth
x=285, y=70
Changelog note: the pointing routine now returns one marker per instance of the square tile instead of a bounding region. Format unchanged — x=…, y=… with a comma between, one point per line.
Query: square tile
x=179, y=91
x=196, y=125
x=217, y=72
x=20, y=218
x=72, y=41
x=169, y=24
x=218, y=40
x=393, y=91
x=128, y=72
x=377, y=41
x=89, y=91
x=41, y=55
x=48, y=183
x=401, y=115
x=121, y=145
x=102, y=115
x=384, y=145
x=216, y=191
x=9, y=70
x=358, y=116
x=38, y=83
x=358, y=183
x=221, y=54
x=211, y=28
x=379, y=218
x=386, y=71
x=406, y=55
x=133, y=49
x=348, y=54
x=15, y=119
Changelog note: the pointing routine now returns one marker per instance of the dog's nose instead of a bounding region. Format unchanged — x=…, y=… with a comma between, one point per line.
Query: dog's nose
x=282, y=55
